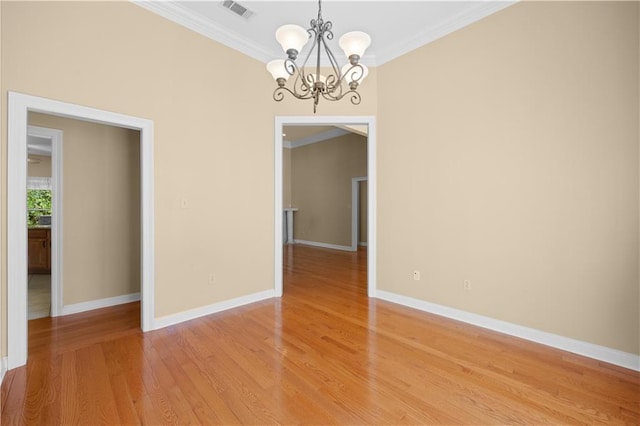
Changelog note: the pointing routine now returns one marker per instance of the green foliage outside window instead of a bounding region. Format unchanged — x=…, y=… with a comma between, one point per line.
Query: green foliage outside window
x=38, y=204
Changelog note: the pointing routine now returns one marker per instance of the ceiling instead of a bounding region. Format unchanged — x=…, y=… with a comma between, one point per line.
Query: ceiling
x=396, y=27
x=37, y=145
x=295, y=136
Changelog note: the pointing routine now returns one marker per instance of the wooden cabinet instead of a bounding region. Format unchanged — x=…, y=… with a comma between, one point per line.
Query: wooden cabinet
x=39, y=251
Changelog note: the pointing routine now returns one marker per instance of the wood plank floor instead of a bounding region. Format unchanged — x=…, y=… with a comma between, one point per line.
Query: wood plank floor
x=323, y=354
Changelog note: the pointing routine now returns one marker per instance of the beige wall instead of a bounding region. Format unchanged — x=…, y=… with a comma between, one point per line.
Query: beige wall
x=101, y=208
x=321, y=187
x=514, y=164
x=40, y=167
x=149, y=67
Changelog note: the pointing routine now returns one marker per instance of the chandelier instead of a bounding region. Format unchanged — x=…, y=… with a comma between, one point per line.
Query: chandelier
x=310, y=83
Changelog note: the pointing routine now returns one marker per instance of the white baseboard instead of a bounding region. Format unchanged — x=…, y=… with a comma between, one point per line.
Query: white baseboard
x=323, y=245
x=602, y=353
x=211, y=309
x=362, y=244
x=100, y=303
x=4, y=362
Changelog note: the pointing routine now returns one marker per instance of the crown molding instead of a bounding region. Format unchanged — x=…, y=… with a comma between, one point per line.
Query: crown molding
x=181, y=16
x=318, y=137
x=482, y=10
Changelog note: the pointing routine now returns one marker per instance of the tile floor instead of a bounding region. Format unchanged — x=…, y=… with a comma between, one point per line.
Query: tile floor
x=39, y=296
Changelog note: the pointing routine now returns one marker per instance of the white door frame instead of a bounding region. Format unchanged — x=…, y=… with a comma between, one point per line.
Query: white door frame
x=370, y=122
x=355, y=211
x=56, y=137
x=19, y=106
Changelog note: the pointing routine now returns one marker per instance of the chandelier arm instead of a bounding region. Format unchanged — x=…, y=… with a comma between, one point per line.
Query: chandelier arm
x=358, y=73
x=334, y=90
x=354, y=96
x=300, y=85
x=290, y=66
x=278, y=94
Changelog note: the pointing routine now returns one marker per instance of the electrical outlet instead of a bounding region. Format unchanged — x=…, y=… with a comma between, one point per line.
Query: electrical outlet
x=416, y=275
x=212, y=279
x=467, y=284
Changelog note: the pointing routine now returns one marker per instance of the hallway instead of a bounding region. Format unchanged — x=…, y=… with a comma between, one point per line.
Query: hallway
x=39, y=294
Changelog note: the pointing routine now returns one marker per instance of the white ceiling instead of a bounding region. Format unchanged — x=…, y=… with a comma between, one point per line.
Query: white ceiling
x=396, y=27
x=37, y=145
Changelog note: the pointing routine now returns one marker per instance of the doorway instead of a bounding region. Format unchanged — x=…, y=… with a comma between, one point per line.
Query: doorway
x=44, y=165
x=19, y=107
x=343, y=121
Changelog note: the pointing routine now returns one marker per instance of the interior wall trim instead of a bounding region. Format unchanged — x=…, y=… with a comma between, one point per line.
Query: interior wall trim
x=478, y=11
x=76, y=308
x=318, y=137
x=19, y=105
x=202, y=311
x=324, y=245
x=175, y=12
x=601, y=353
x=3, y=368
x=180, y=15
x=345, y=120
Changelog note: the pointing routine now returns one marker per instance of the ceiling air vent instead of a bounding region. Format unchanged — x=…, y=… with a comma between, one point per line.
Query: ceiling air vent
x=237, y=8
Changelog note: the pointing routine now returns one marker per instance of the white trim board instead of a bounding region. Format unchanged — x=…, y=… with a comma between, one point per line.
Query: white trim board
x=19, y=106
x=202, y=311
x=601, y=353
x=76, y=308
x=3, y=368
x=300, y=120
x=323, y=245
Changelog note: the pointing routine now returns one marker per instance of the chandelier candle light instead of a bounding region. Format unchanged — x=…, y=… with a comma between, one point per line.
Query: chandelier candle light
x=311, y=84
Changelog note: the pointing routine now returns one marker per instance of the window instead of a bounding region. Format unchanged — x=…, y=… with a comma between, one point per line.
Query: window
x=38, y=199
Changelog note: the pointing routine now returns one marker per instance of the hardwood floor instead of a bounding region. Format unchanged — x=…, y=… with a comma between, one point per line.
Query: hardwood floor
x=322, y=354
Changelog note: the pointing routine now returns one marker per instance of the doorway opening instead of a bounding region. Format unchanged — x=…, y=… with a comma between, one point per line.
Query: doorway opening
x=347, y=122
x=44, y=207
x=19, y=107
